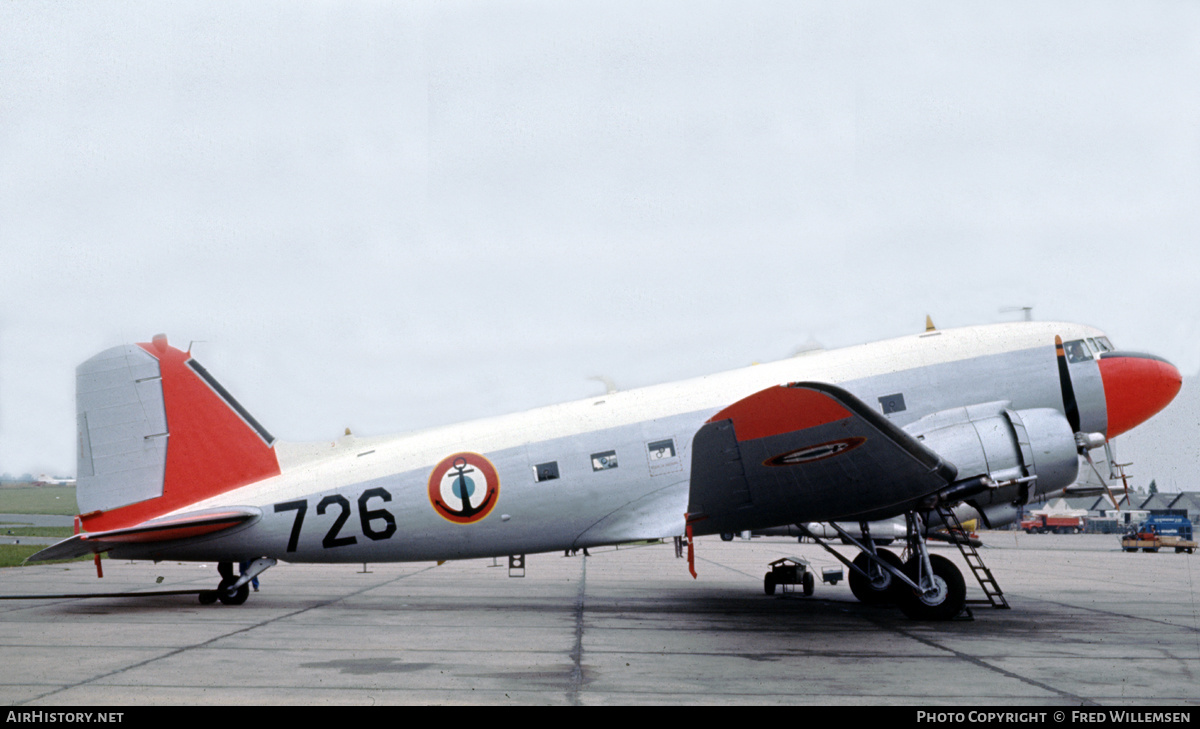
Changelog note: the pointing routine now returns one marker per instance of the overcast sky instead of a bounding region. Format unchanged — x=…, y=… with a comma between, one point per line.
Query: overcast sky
x=395, y=215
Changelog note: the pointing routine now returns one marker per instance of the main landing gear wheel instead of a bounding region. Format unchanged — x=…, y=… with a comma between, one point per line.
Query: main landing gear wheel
x=877, y=591
x=946, y=602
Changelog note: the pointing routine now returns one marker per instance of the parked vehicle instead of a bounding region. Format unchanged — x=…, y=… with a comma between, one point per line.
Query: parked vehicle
x=1042, y=523
x=1160, y=531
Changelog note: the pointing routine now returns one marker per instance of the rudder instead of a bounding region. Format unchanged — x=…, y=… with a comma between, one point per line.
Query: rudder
x=157, y=432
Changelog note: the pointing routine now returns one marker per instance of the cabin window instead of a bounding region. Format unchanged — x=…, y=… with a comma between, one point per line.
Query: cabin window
x=892, y=403
x=604, y=461
x=661, y=449
x=545, y=471
x=662, y=458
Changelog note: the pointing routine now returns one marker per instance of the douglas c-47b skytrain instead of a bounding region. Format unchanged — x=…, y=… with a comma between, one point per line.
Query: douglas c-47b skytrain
x=980, y=418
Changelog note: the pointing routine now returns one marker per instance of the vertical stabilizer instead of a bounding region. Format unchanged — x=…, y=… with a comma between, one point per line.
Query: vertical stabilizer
x=156, y=433
x=122, y=429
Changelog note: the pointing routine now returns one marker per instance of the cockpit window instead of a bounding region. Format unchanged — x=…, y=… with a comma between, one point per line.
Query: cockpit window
x=1077, y=351
x=1105, y=345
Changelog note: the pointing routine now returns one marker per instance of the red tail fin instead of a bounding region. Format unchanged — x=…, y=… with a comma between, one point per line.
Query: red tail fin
x=212, y=445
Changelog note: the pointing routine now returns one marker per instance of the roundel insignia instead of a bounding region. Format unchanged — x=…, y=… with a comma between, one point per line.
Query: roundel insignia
x=464, y=487
x=816, y=452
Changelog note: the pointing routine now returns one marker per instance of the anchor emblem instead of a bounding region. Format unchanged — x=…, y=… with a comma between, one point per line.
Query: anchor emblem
x=464, y=487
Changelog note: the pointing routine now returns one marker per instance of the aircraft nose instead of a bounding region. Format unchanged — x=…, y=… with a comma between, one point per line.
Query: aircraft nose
x=1136, y=386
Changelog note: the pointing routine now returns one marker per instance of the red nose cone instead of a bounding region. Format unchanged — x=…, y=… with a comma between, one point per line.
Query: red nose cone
x=1136, y=386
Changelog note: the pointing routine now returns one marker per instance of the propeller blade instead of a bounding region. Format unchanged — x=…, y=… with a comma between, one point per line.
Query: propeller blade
x=1070, y=407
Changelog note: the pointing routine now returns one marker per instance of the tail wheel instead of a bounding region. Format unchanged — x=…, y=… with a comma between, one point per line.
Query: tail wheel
x=232, y=597
x=878, y=591
x=948, y=599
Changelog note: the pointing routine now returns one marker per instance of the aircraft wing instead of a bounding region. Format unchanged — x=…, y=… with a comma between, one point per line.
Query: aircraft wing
x=804, y=452
x=164, y=529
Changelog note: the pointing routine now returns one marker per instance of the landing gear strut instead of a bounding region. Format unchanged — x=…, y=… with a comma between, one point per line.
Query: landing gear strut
x=878, y=588
x=936, y=589
x=926, y=587
x=872, y=582
x=233, y=589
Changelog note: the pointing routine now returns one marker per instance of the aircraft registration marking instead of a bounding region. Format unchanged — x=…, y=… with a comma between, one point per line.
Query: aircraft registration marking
x=367, y=518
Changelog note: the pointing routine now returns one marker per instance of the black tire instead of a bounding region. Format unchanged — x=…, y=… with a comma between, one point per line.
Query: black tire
x=810, y=584
x=862, y=587
x=232, y=597
x=769, y=584
x=208, y=597
x=725, y=536
x=946, y=604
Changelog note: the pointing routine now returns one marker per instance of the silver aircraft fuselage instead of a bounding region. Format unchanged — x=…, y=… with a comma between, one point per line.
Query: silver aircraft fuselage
x=619, y=467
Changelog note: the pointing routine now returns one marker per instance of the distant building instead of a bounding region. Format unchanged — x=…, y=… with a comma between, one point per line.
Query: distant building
x=1189, y=500
x=1158, y=502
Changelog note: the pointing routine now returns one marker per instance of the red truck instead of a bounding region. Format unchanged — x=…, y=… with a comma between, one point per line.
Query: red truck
x=1042, y=523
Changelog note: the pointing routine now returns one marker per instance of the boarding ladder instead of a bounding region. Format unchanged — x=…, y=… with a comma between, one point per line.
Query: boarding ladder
x=958, y=535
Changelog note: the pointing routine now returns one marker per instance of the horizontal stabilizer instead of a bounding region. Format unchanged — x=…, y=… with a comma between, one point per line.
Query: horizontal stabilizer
x=165, y=529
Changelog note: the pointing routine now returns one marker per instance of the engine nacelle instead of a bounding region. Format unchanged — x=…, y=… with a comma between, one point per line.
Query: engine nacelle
x=992, y=439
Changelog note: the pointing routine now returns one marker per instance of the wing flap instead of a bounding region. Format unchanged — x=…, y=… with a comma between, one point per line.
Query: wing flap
x=164, y=529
